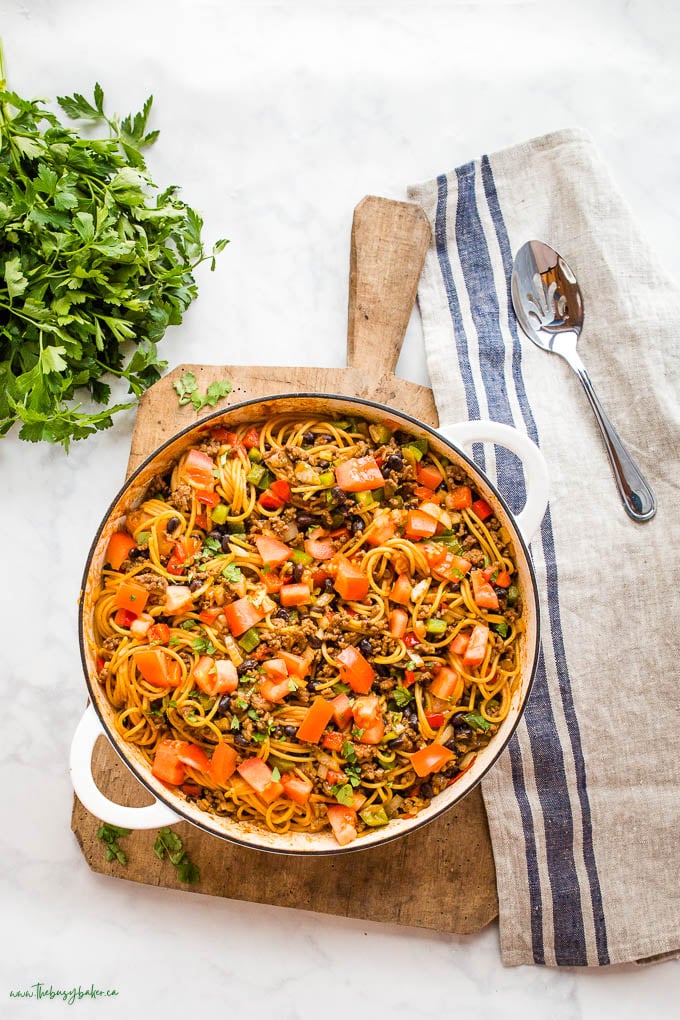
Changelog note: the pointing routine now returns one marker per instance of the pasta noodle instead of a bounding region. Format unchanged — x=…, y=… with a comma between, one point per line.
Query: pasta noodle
x=310, y=623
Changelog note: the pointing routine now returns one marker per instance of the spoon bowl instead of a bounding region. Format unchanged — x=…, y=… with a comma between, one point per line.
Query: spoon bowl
x=549, y=307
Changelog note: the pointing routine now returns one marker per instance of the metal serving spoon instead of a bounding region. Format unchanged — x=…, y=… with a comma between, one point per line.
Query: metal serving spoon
x=549, y=308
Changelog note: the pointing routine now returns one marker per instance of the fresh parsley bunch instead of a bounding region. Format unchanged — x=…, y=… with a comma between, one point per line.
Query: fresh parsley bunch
x=95, y=264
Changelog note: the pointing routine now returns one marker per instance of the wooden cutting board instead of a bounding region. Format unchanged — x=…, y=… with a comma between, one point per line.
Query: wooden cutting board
x=441, y=876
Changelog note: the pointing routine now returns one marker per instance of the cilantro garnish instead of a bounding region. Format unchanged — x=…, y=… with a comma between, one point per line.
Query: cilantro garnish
x=402, y=696
x=187, y=392
x=478, y=722
x=188, y=624
x=232, y=573
x=168, y=844
x=109, y=835
x=235, y=723
x=213, y=545
x=203, y=646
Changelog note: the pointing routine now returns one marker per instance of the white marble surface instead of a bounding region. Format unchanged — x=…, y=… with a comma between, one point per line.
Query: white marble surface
x=277, y=118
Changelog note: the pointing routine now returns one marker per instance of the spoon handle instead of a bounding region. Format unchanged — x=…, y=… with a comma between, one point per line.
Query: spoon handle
x=638, y=499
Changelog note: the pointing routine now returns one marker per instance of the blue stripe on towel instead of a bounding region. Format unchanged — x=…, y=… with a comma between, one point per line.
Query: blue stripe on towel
x=554, y=608
x=569, y=934
x=454, y=311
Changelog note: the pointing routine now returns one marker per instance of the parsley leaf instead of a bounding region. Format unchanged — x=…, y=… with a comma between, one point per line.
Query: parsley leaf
x=187, y=391
x=213, y=545
x=232, y=573
x=203, y=646
x=96, y=262
x=478, y=722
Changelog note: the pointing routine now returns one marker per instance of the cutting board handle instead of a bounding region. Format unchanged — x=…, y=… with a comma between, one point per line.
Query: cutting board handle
x=389, y=243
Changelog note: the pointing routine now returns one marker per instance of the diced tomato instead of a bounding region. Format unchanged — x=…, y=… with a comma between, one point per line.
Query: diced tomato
x=297, y=788
x=191, y=789
x=411, y=640
x=242, y=615
x=272, y=581
x=360, y=474
x=350, y=582
x=435, y=719
x=355, y=669
x=191, y=755
x=316, y=719
x=342, y=710
x=132, y=596
x=374, y=733
x=140, y=626
x=159, y=633
x=198, y=468
x=118, y=548
x=419, y=525
x=445, y=564
x=494, y=575
x=295, y=594
x=422, y=492
x=343, y=823
x=177, y=599
x=460, y=643
x=430, y=759
x=276, y=669
x=342, y=532
x=207, y=497
x=182, y=555
x=320, y=548
x=202, y=521
x=459, y=498
x=210, y=615
x=482, y=592
x=152, y=663
x=296, y=665
x=332, y=741
x=398, y=622
x=123, y=618
x=447, y=684
x=482, y=509
x=476, y=649
x=227, y=677
x=275, y=690
x=335, y=777
x=401, y=590
x=428, y=475
x=272, y=551
x=251, y=438
x=381, y=531
x=366, y=711
x=281, y=489
x=319, y=576
x=166, y=765
x=409, y=677
x=99, y=664
x=204, y=674
x=270, y=501
x=223, y=763
x=258, y=775
x=227, y=437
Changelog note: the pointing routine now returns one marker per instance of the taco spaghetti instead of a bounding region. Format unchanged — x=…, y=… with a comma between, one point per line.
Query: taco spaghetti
x=310, y=623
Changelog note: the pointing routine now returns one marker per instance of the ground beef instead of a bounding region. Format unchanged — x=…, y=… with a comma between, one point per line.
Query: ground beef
x=475, y=556
x=156, y=585
x=110, y=644
x=180, y=498
x=210, y=446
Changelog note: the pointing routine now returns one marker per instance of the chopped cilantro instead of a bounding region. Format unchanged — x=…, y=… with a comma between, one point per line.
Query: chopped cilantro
x=203, y=646
x=232, y=573
x=348, y=752
x=501, y=628
x=252, y=714
x=188, y=624
x=241, y=703
x=478, y=722
x=235, y=724
x=357, y=733
x=213, y=545
x=109, y=835
x=402, y=696
x=168, y=844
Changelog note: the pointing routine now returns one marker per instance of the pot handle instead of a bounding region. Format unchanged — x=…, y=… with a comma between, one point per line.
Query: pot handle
x=150, y=817
x=465, y=433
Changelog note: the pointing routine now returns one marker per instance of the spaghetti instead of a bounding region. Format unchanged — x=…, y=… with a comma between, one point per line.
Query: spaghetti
x=310, y=623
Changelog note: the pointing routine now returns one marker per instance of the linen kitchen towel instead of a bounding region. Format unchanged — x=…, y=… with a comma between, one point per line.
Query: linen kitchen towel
x=584, y=805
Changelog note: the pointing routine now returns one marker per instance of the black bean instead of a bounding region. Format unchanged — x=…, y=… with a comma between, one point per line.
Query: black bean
x=323, y=465
x=172, y=525
x=313, y=641
x=241, y=740
x=381, y=669
x=290, y=731
x=411, y=714
x=451, y=744
x=365, y=647
x=459, y=722
x=394, y=462
x=397, y=742
x=138, y=554
x=247, y=666
x=356, y=524
x=339, y=495
x=225, y=544
x=313, y=685
x=283, y=614
x=224, y=705
x=308, y=438
x=427, y=791
x=297, y=572
x=215, y=534
x=305, y=520
x=195, y=584
x=328, y=585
